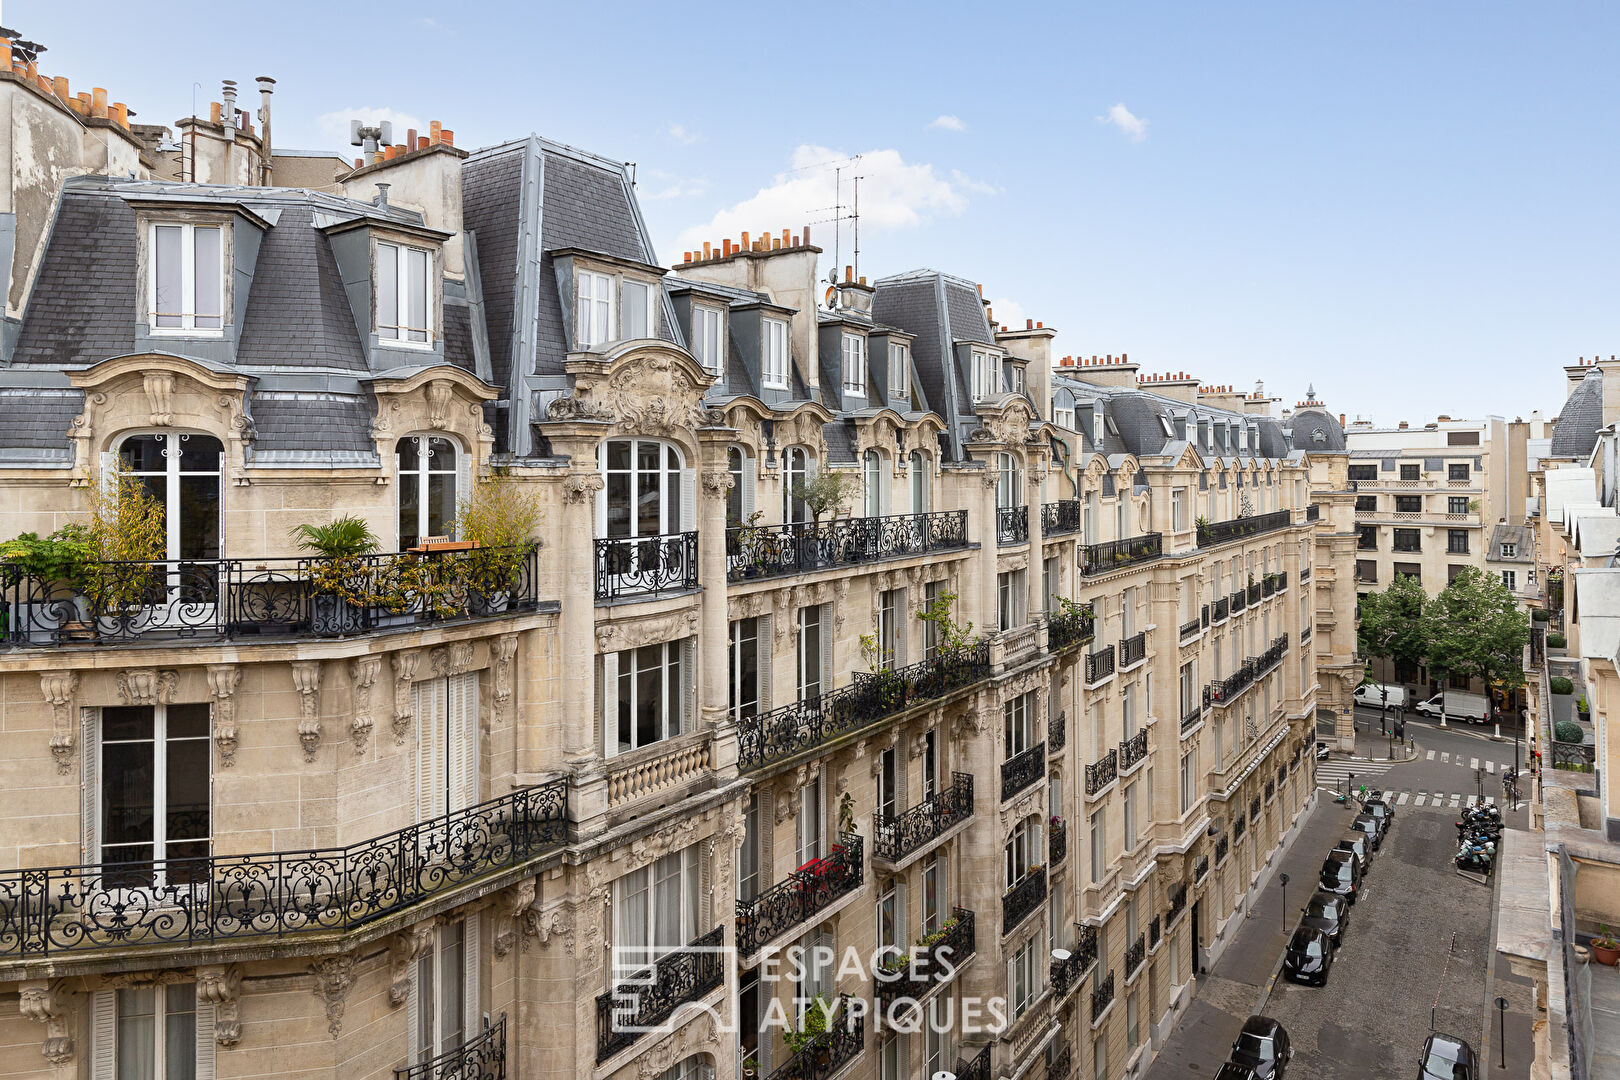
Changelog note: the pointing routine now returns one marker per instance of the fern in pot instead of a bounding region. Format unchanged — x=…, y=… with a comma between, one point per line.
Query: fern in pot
x=339, y=576
x=500, y=516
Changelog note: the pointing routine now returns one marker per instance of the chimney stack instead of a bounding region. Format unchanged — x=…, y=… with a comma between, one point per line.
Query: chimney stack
x=267, y=86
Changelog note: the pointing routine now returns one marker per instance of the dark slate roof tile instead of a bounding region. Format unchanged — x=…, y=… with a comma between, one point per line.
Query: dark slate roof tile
x=1575, y=434
x=298, y=314
x=83, y=306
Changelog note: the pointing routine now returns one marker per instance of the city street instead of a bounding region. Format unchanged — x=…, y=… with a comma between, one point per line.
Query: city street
x=1457, y=765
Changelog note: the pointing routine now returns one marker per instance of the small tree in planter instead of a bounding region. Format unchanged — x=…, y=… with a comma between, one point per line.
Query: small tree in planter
x=339, y=578
x=45, y=577
x=127, y=537
x=828, y=492
x=817, y=1017
x=1605, y=949
x=500, y=516
x=953, y=637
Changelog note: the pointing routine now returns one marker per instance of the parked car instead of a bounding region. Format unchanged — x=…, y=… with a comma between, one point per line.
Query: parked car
x=1262, y=1047
x=1378, y=695
x=1446, y=1057
x=1327, y=913
x=1459, y=705
x=1322, y=751
x=1380, y=807
x=1372, y=826
x=1359, y=843
x=1341, y=875
x=1233, y=1071
x=1309, y=956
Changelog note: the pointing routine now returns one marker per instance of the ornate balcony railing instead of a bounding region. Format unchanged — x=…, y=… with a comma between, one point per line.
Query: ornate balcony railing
x=1019, y=901
x=1271, y=657
x=810, y=889
x=1225, y=691
x=826, y=1055
x=1057, y=732
x=1193, y=713
x=802, y=725
x=1099, y=664
x=893, y=838
x=1118, y=554
x=1222, y=846
x=1012, y=524
x=1100, y=774
x=642, y=1001
x=1060, y=517
x=1062, y=1064
x=1022, y=770
x=646, y=565
x=226, y=897
x=1221, y=532
x=1240, y=600
x=1268, y=585
x=1191, y=628
x=1133, y=749
x=1070, y=971
x=1102, y=996
x=1305, y=635
x=483, y=1057
x=1057, y=842
x=926, y=966
x=1067, y=629
x=1133, y=650
x=1201, y=869
x=755, y=551
x=1573, y=757
x=978, y=1068
x=202, y=599
x=1220, y=610
x=1313, y=512
x=1240, y=825
x=1254, y=810
x=1135, y=953
x=1178, y=903
x=1254, y=594
x=1155, y=932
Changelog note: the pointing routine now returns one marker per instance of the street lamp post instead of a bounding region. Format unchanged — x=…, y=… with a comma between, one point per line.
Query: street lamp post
x=1284, y=879
x=1501, y=1028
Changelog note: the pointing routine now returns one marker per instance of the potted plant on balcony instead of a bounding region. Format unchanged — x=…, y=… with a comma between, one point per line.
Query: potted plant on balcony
x=127, y=538
x=1584, y=709
x=44, y=582
x=826, y=493
x=1605, y=949
x=952, y=636
x=500, y=517
x=339, y=578
x=812, y=1025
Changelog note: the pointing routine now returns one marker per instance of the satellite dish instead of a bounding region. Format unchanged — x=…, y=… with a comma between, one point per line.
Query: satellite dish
x=832, y=296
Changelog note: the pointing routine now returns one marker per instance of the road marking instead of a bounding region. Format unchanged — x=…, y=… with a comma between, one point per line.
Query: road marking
x=1490, y=800
x=1490, y=767
x=1445, y=757
x=1429, y=756
x=1455, y=799
x=1403, y=797
x=1472, y=799
x=1473, y=763
x=1421, y=798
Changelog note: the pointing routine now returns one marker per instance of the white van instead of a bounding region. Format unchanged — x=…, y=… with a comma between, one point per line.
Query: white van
x=1372, y=694
x=1460, y=705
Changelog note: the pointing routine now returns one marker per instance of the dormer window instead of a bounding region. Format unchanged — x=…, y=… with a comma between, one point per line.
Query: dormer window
x=1510, y=551
x=188, y=279
x=773, y=358
x=1063, y=418
x=1015, y=378
x=595, y=326
x=708, y=338
x=899, y=367
x=986, y=375
x=403, y=303
x=855, y=365
x=636, y=311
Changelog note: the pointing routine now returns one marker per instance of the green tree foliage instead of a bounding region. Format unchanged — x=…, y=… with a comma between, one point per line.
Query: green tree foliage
x=1560, y=685
x=1475, y=628
x=1568, y=731
x=1392, y=623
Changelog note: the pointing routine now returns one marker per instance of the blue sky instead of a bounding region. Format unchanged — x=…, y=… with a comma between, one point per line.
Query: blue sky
x=1410, y=205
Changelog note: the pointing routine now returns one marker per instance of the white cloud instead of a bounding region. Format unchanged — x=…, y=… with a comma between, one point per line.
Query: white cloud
x=658, y=184
x=335, y=125
x=976, y=187
x=1133, y=126
x=947, y=123
x=680, y=134
x=895, y=194
x=1008, y=312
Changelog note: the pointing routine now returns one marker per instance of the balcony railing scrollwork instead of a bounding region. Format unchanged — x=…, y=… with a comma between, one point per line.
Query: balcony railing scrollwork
x=1062, y=1064
x=1190, y=628
x=1220, y=609
x=1240, y=600
x=1155, y=931
x=1062, y=516
x=926, y=966
x=893, y=838
x=1069, y=971
x=642, y=1001
x=645, y=565
x=1219, y=532
x=1222, y=846
x=826, y=1055
x=1012, y=524
x=756, y=551
x=1057, y=732
x=1201, y=869
x=1192, y=714
x=1118, y=554
x=1099, y=774
x=1057, y=841
x=1102, y=996
x=978, y=1068
x=1022, y=769
x=201, y=900
x=1135, y=953
x=483, y=1057
x=800, y=896
x=1178, y=903
x=1067, y=629
x=1018, y=902
x=1133, y=749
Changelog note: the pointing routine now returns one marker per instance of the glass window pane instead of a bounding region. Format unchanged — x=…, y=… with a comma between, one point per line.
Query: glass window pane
x=635, y=310
x=441, y=503
x=416, y=296
x=649, y=694
x=209, y=277
x=137, y=1033
x=167, y=306
x=180, y=1032
x=426, y=1000
x=387, y=291
x=452, y=978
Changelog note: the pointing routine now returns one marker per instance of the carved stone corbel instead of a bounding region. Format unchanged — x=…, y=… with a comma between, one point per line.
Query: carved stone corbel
x=159, y=387
x=514, y=907
x=58, y=688
x=438, y=403
x=404, y=665
x=223, y=679
x=147, y=686
x=221, y=986
x=404, y=949
x=46, y=1002
x=452, y=659
x=546, y=925
x=334, y=976
x=501, y=652
x=306, y=676
x=581, y=486
x=363, y=673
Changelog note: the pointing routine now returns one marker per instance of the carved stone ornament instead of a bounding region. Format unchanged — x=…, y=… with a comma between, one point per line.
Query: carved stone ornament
x=147, y=686
x=680, y=1045
x=438, y=403
x=980, y=434
x=404, y=949
x=550, y=924
x=221, y=987
x=501, y=652
x=452, y=659
x=514, y=908
x=919, y=744
x=159, y=388
x=306, y=677
x=46, y=1002
x=58, y=688
x=717, y=482
x=581, y=486
x=576, y=407
x=363, y=673
x=223, y=679
x=404, y=665
x=661, y=843
x=652, y=394
x=334, y=976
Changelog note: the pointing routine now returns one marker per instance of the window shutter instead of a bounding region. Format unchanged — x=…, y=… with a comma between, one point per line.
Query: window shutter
x=104, y=1035
x=900, y=936
x=764, y=847
x=608, y=665
x=902, y=626
x=821, y=818
x=429, y=697
x=109, y=469
x=689, y=515
x=705, y=904
x=690, y=718
x=902, y=766
x=827, y=676
x=462, y=738
x=464, y=485
x=766, y=640
x=750, y=468
x=205, y=1041
x=89, y=786
x=472, y=1022
x=413, y=1016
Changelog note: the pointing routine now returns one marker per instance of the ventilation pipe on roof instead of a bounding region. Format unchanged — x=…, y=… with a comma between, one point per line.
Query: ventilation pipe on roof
x=267, y=86
x=382, y=196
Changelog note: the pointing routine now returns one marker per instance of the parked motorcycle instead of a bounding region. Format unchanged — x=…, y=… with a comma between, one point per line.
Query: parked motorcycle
x=1476, y=855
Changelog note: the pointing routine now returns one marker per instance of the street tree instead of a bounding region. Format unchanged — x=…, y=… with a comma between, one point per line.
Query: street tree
x=1474, y=628
x=1392, y=624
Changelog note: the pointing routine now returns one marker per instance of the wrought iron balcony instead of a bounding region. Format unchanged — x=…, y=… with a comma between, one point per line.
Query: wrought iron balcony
x=1133, y=650
x=1057, y=842
x=1221, y=532
x=894, y=838
x=1178, y=904
x=803, y=725
x=483, y=1057
x=1304, y=573
x=1118, y=554
x=1224, y=691
x=198, y=901
x=1070, y=972
x=1240, y=825
x=1062, y=1064
x=826, y=1055
x=1155, y=932
x=1135, y=953
x=1058, y=517
x=1313, y=512
x=644, y=1000
x=1057, y=732
x=1100, y=774
x=1201, y=869
x=1254, y=810
x=925, y=967
x=1191, y=628
x=1271, y=790
x=1271, y=657
x=1023, y=898
x=1222, y=847
x=801, y=895
x=1067, y=629
x=1022, y=770
x=1219, y=610
x=1268, y=585
x=1102, y=996
x=1012, y=524
x=646, y=565
x=119, y=602
x=978, y=1068
x=1099, y=664
x=1240, y=600
x=755, y=551
x=1193, y=713
x=1133, y=749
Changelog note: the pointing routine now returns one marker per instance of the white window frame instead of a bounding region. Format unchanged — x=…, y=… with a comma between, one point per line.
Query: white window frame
x=594, y=297
x=1063, y=418
x=105, y=1025
x=1023, y=977
x=899, y=368
x=986, y=375
x=638, y=901
x=421, y=477
x=1510, y=579
x=920, y=487
x=1099, y=844
x=774, y=355
x=1009, y=481
x=872, y=482
x=436, y=970
x=159, y=789
x=709, y=338
x=1015, y=378
x=188, y=282
x=399, y=331
x=744, y=630
x=645, y=306
x=798, y=465
x=675, y=681
x=854, y=352
x=811, y=668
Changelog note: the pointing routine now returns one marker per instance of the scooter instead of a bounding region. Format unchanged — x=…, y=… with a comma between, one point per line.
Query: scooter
x=1476, y=856
x=1321, y=751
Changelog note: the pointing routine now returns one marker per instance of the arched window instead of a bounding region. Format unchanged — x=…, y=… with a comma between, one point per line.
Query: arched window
x=872, y=477
x=427, y=488
x=795, y=471
x=1009, y=481
x=919, y=482
x=644, y=491
x=181, y=470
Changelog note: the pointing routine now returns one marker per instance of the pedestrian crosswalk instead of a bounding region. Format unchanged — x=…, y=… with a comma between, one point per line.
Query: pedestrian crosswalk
x=1335, y=774
x=1437, y=800
x=1335, y=771
x=1445, y=757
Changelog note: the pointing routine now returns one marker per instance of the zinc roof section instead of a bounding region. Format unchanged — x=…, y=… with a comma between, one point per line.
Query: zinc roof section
x=298, y=314
x=83, y=306
x=1575, y=434
x=490, y=189
x=313, y=421
x=39, y=418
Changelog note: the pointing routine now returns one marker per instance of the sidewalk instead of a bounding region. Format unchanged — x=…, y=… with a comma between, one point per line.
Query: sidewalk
x=1371, y=746
x=1241, y=979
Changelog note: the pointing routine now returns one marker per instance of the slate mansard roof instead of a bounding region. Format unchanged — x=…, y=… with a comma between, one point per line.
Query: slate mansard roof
x=1575, y=435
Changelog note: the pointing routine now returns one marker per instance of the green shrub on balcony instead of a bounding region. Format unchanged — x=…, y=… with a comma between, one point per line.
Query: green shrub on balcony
x=1568, y=731
x=1556, y=641
x=1540, y=614
x=1560, y=685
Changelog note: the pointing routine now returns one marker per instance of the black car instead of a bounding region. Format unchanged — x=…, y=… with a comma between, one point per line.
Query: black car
x=1446, y=1057
x=1341, y=875
x=1380, y=807
x=1262, y=1047
x=1373, y=827
x=1327, y=913
x=1359, y=844
x=1309, y=956
x=1233, y=1071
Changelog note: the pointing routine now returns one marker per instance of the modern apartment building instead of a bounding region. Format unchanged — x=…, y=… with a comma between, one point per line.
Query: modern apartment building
x=1037, y=684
